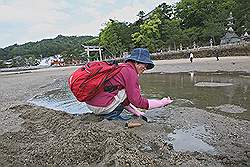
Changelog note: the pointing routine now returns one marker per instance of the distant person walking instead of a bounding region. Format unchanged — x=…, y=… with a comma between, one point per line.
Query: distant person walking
x=191, y=56
x=217, y=56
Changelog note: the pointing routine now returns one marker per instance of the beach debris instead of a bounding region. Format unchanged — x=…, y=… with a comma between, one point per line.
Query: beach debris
x=133, y=124
x=144, y=118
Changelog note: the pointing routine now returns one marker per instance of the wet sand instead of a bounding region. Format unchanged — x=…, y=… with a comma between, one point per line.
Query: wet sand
x=204, y=65
x=36, y=136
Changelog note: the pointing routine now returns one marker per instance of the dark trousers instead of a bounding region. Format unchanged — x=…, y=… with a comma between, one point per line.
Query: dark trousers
x=217, y=58
x=115, y=113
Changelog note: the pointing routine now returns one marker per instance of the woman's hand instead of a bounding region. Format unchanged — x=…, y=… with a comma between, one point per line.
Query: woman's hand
x=132, y=109
x=166, y=100
x=153, y=103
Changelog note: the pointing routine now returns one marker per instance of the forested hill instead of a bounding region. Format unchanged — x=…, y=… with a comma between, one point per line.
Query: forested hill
x=44, y=48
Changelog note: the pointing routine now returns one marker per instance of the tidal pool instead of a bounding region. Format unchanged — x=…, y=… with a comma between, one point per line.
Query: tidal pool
x=224, y=93
x=217, y=91
x=189, y=140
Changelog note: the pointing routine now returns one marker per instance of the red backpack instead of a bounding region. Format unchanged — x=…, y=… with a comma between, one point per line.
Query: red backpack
x=87, y=81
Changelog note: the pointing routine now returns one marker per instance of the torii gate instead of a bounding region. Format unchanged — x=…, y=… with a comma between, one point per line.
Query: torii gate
x=89, y=49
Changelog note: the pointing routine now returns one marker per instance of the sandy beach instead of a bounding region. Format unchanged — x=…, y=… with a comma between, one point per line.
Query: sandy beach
x=203, y=64
x=36, y=136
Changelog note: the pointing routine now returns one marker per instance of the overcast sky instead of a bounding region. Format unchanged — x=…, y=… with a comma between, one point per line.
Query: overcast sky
x=23, y=21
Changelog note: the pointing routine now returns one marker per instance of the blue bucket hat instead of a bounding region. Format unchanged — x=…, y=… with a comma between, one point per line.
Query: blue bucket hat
x=141, y=55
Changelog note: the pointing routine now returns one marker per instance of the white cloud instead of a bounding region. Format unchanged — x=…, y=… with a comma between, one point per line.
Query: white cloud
x=129, y=13
x=32, y=20
x=30, y=11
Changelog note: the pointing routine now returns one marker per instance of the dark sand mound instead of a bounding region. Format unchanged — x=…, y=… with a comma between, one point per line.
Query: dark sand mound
x=47, y=137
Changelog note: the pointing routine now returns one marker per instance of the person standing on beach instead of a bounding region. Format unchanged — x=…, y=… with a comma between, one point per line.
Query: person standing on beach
x=127, y=95
x=191, y=56
x=217, y=56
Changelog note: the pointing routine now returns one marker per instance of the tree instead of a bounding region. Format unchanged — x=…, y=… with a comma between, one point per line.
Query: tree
x=45, y=47
x=172, y=33
x=212, y=30
x=3, y=54
x=141, y=14
x=74, y=54
x=2, y=65
x=206, y=16
x=115, y=37
x=241, y=14
x=92, y=42
x=149, y=34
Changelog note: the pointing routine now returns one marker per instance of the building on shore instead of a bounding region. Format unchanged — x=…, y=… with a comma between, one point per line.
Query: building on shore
x=230, y=37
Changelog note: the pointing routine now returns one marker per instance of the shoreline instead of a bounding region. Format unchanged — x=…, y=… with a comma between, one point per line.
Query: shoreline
x=210, y=64
x=232, y=63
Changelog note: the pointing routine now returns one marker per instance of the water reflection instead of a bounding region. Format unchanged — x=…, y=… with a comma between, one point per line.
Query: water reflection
x=189, y=140
x=181, y=86
x=60, y=99
x=192, y=77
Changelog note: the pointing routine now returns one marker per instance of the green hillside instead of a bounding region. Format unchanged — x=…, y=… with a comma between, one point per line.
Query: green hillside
x=47, y=47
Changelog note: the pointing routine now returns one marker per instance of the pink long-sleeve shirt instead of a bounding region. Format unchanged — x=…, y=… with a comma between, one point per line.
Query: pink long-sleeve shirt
x=126, y=79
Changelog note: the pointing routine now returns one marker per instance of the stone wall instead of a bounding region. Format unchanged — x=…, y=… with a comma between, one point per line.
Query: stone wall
x=242, y=49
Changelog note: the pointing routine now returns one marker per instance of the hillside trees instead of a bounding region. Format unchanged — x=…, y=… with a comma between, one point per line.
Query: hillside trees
x=115, y=37
x=149, y=34
x=169, y=26
x=241, y=13
x=26, y=54
x=205, y=18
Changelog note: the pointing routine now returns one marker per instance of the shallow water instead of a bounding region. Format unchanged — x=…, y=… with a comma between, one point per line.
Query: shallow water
x=222, y=92
x=226, y=93
x=189, y=140
x=61, y=100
